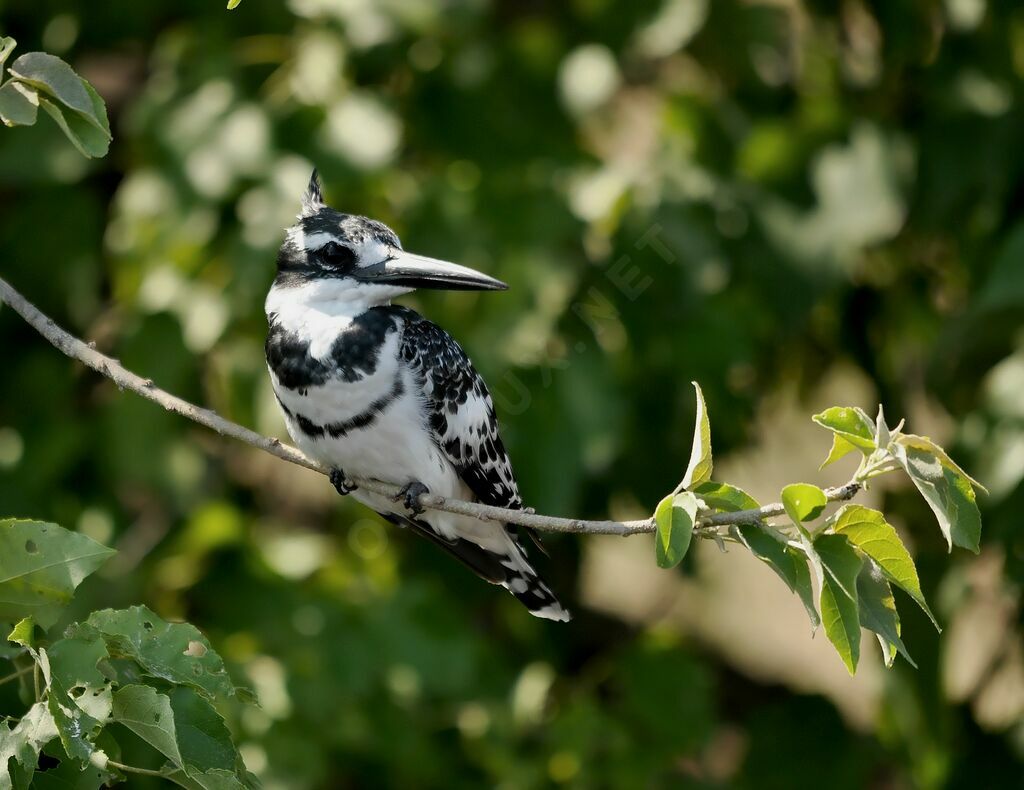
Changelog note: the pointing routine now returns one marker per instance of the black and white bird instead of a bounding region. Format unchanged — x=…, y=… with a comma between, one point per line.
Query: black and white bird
x=374, y=390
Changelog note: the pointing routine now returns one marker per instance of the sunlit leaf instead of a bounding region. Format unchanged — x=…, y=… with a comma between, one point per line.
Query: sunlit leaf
x=840, y=448
x=868, y=530
x=838, y=597
x=925, y=444
x=23, y=633
x=803, y=502
x=724, y=497
x=675, y=517
x=877, y=610
x=948, y=493
x=232, y=4
x=789, y=564
x=175, y=652
x=851, y=423
x=20, y=747
x=700, y=466
x=41, y=564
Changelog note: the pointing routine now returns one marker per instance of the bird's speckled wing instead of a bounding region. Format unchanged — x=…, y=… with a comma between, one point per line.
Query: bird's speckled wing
x=461, y=413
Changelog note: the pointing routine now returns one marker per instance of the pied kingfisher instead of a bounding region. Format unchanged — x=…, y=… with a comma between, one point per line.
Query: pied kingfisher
x=375, y=390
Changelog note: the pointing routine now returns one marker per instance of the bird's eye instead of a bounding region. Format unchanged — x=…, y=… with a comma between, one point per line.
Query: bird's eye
x=337, y=256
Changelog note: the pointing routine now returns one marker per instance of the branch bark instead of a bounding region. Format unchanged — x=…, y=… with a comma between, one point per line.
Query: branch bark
x=125, y=379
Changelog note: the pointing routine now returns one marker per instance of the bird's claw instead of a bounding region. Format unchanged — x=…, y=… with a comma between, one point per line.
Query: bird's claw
x=410, y=496
x=340, y=482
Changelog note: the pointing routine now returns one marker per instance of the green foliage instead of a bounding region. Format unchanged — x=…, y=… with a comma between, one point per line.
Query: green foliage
x=855, y=553
x=40, y=567
x=127, y=667
x=39, y=79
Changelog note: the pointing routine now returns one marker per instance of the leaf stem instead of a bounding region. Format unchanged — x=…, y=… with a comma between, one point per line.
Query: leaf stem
x=16, y=675
x=131, y=769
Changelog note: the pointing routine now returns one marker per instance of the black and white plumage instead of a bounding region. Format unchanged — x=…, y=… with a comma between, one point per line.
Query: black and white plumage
x=375, y=390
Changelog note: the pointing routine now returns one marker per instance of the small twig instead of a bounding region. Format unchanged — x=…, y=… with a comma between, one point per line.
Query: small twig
x=86, y=353
x=35, y=681
x=18, y=674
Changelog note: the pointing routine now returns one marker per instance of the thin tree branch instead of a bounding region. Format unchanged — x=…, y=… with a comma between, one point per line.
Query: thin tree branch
x=72, y=347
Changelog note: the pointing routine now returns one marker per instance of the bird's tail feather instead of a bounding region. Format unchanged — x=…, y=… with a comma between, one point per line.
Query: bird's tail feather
x=511, y=570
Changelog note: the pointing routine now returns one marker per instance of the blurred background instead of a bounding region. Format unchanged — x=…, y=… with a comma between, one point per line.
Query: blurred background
x=798, y=204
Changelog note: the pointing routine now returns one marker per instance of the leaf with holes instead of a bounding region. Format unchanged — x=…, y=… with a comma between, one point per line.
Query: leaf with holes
x=724, y=497
x=699, y=468
x=675, y=517
x=20, y=747
x=41, y=564
x=838, y=597
x=851, y=424
x=175, y=652
x=787, y=562
x=868, y=530
x=948, y=493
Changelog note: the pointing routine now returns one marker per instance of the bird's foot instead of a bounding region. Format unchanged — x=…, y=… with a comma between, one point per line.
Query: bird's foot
x=410, y=496
x=340, y=482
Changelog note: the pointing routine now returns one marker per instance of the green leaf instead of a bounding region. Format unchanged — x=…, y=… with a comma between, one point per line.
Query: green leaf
x=803, y=502
x=877, y=609
x=52, y=77
x=868, y=530
x=852, y=424
x=76, y=728
x=24, y=633
x=927, y=445
x=19, y=104
x=175, y=652
x=840, y=448
x=675, y=517
x=22, y=746
x=232, y=4
x=40, y=566
x=7, y=45
x=187, y=730
x=699, y=468
x=838, y=597
x=788, y=563
x=722, y=496
x=948, y=493
x=90, y=141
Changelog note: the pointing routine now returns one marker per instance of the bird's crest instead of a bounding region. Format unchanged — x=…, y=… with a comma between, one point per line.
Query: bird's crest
x=313, y=199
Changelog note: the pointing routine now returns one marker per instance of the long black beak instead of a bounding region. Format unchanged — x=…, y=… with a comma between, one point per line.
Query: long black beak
x=418, y=271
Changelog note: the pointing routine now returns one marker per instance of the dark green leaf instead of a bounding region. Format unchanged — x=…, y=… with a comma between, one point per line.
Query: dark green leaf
x=175, y=652
x=868, y=530
x=877, y=610
x=789, y=564
x=76, y=728
x=675, y=517
x=19, y=104
x=90, y=141
x=40, y=566
x=838, y=598
x=852, y=424
x=722, y=496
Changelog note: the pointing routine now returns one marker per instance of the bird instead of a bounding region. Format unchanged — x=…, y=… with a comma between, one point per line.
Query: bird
x=374, y=390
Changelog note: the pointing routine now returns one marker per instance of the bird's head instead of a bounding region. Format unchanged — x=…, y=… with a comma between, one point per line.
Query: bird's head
x=359, y=258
